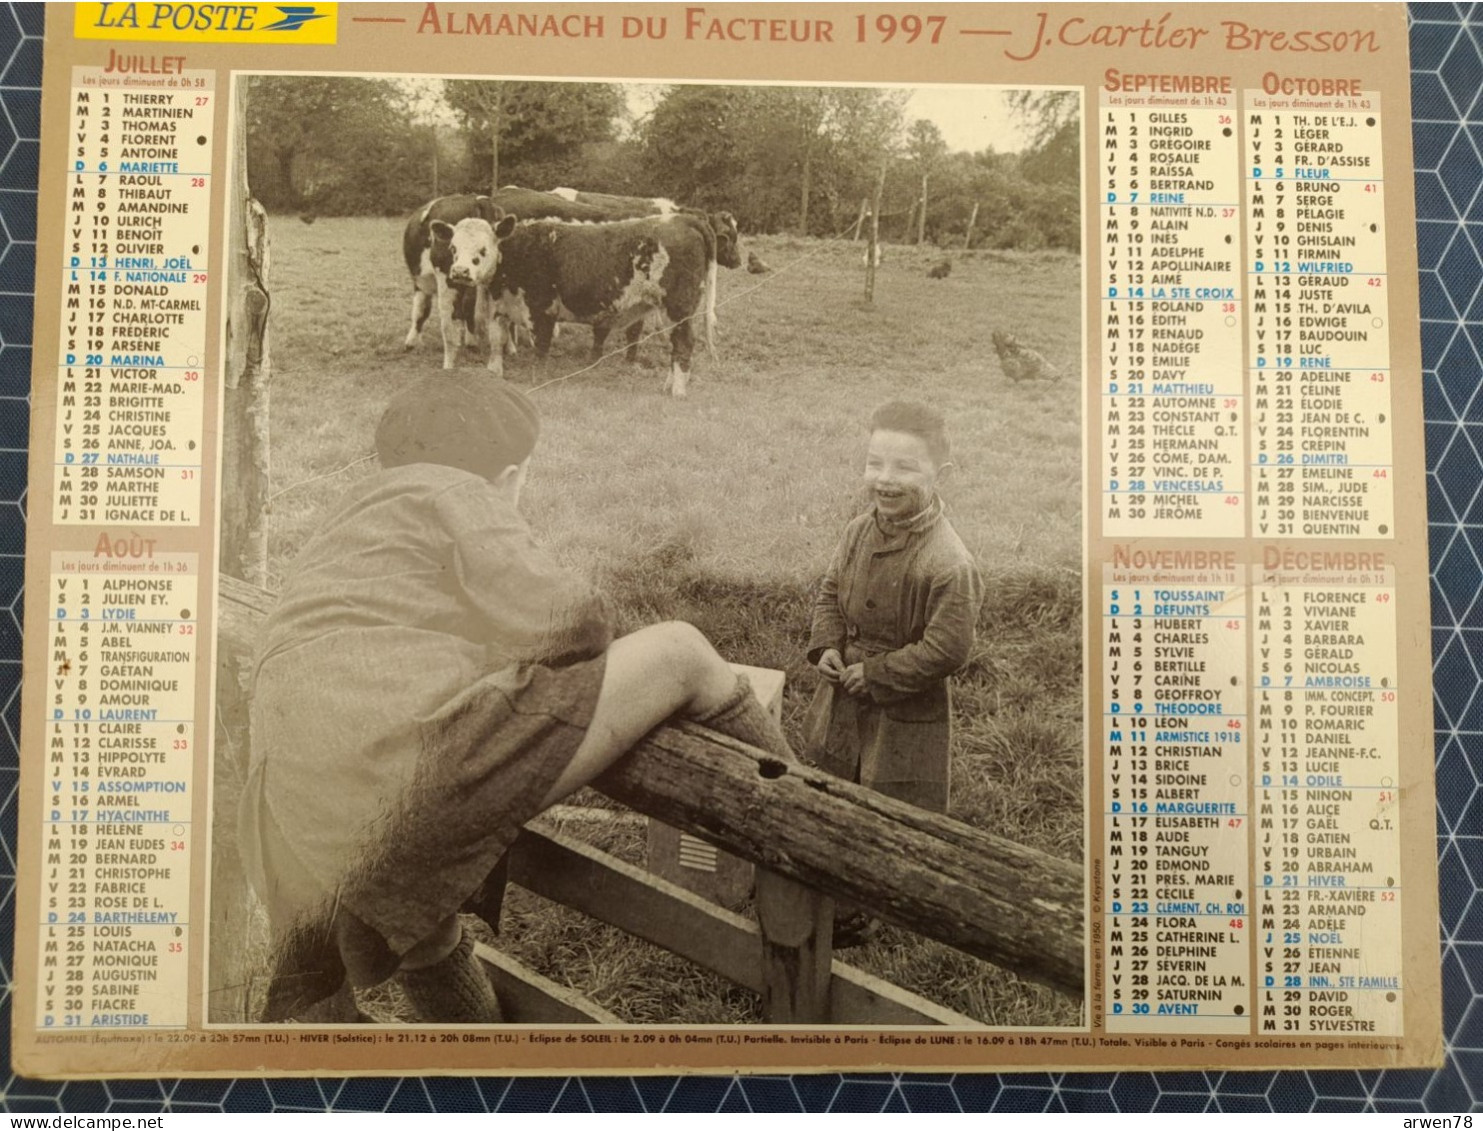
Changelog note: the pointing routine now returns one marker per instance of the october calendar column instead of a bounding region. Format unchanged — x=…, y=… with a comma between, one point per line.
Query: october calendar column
x=1320, y=323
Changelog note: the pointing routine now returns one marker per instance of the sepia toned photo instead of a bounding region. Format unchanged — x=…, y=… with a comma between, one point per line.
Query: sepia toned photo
x=711, y=542
x=690, y=476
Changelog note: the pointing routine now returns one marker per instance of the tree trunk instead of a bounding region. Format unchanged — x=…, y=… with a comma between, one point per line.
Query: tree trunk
x=860, y=219
x=873, y=251
x=495, y=124
x=922, y=217
x=806, y=190
x=972, y=219
x=989, y=897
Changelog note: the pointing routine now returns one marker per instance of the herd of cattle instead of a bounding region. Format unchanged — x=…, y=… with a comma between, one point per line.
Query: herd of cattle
x=515, y=262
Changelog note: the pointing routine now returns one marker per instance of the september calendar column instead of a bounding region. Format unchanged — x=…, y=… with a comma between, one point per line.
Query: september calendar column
x=129, y=376
x=1172, y=390
x=1320, y=339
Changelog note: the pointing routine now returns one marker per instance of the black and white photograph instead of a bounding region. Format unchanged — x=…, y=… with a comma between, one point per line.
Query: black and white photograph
x=651, y=580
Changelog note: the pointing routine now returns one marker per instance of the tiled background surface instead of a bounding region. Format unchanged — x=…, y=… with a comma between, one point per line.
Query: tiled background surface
x=1447, y=84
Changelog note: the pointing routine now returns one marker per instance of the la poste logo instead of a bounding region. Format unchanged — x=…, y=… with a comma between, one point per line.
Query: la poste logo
x=208, y=23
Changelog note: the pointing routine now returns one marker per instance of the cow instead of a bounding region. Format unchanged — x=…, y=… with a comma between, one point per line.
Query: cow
x=611, y=276
x=728, y=245
x=723, y=224
x=451, y=248
x=646, y=205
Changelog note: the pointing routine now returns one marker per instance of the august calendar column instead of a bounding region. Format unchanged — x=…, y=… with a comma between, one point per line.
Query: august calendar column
x=117, y=820
x=133, y=302
x=1172, y=290
x=1319, y=329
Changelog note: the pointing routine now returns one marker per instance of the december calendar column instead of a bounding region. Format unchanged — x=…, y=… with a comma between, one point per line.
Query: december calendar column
x=1171, y=299
x=1328, y=849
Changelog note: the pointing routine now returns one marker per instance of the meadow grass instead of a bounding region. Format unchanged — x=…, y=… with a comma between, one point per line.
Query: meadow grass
x=722, y=509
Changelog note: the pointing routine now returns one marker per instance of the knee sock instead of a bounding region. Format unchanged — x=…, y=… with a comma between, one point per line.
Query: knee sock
x=453, y=990
x=743, y=717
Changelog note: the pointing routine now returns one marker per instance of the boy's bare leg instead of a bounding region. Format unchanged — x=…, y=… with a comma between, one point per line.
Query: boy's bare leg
x=651, y=674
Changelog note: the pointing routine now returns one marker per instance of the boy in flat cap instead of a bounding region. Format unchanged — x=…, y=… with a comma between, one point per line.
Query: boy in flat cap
x=430, y=681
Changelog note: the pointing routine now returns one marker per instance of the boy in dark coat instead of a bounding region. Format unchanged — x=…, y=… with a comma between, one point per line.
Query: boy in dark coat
x=430, y=681
x=894, y=617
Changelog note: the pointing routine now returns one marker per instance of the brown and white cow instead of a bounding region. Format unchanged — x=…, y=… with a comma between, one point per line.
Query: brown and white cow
x=451, y=248
x=723, y=225
x=611, y=276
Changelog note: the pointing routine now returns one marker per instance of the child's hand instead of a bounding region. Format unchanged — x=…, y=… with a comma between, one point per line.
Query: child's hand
x=852, y=679
x=831, y=665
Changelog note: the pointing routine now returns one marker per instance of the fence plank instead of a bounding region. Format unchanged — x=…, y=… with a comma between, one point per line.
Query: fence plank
x=528, y=998
x=569, y=872
x=589, y=880
x=987, y=896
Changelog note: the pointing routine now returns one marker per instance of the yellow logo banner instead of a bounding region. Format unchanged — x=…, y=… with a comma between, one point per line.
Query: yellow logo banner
x=209, y=23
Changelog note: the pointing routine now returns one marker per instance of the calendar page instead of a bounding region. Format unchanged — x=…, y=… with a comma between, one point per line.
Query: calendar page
x=652, y=538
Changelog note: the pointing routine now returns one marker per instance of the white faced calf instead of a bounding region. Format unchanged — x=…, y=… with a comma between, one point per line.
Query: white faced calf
x=463, y=258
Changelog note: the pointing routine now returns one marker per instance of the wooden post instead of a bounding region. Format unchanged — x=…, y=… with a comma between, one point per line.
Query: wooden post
x=246, y=380
x=797, y=924
x=972, y=219
x=872, y=253
x=922, y=215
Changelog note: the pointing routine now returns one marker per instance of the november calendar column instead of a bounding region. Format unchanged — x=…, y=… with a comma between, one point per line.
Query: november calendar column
x=119, y=712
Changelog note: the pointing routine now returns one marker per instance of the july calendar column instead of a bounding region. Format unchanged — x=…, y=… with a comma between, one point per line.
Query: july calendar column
x=1173, y=412
x=1319, y=329
x=131, y=368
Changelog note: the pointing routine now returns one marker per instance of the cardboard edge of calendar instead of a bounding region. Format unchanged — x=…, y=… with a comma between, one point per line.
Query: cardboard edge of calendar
x=369, y=48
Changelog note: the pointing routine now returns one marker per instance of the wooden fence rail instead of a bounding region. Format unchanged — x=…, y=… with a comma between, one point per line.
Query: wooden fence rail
x=813, y=836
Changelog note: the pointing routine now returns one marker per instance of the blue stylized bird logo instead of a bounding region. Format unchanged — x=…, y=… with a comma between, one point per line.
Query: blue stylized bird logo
x=295, y=16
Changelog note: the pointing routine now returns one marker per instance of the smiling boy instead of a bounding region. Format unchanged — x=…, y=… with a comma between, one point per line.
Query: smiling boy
x=894, y=617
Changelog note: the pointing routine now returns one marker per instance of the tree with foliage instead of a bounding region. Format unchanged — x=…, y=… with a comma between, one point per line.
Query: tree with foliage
x=324, y=145
x=527, y=132
x=773, y=155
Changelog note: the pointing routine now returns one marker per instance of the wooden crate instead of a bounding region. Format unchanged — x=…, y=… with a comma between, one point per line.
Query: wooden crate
x=694, y=864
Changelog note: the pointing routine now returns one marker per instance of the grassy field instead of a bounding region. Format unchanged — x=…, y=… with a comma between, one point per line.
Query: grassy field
x=722, y=510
